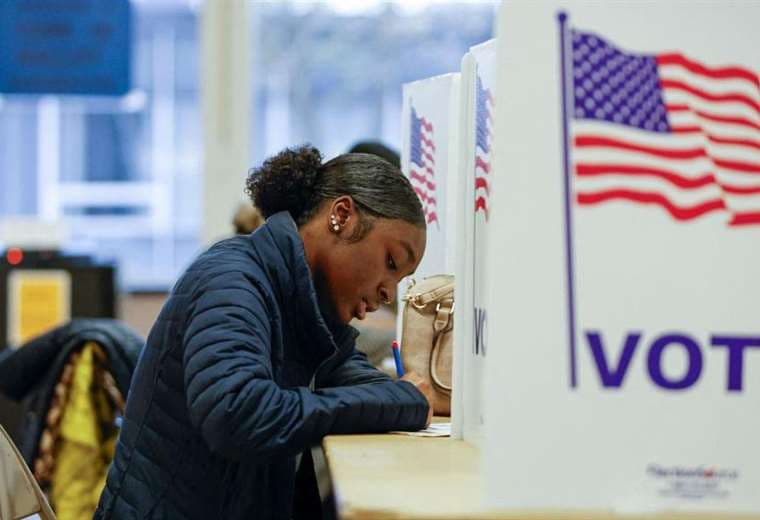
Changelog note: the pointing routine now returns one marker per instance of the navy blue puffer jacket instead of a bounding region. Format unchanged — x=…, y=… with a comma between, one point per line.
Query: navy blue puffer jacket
x=240, y=373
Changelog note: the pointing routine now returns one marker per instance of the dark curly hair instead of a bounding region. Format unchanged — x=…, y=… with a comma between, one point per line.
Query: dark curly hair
x=295, y=180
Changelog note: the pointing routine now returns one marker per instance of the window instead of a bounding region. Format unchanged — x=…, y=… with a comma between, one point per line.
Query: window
x=123, y=172
x=332, y=77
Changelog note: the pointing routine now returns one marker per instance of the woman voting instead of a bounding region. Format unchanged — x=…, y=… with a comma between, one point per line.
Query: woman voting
x=251, y=360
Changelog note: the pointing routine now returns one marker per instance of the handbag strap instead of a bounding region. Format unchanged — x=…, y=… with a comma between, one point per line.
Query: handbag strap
x=421, y=299
x=441, y=325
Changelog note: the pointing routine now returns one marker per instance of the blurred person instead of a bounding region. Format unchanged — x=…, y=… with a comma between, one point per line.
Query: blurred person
x=247, y=219
x=252, y=361
x=379, y=149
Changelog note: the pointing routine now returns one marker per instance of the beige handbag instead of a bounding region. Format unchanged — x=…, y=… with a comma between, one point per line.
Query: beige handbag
x=427, y=335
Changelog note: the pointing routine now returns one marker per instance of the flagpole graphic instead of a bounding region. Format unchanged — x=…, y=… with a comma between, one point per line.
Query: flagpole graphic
x=562, y=18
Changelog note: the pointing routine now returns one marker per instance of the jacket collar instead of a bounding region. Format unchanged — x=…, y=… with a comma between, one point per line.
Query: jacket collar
x=286, y=265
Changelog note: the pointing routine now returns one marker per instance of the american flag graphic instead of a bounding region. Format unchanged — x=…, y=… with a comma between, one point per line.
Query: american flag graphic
x=422, y=164
x=665, y=130
x=483, y=126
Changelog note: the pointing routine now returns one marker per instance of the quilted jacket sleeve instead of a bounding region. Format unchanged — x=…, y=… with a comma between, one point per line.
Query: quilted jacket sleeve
x=236, y=405
x=355, y=370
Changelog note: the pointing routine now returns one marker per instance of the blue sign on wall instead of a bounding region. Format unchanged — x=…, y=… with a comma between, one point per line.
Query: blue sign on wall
x=65, y=46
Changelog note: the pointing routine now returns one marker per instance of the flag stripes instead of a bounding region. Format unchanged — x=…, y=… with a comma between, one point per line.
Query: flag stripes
x=665, y=131
x=422, y=165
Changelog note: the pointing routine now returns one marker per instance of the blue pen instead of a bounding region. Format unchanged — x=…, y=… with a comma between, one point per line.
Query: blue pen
x=397, y=358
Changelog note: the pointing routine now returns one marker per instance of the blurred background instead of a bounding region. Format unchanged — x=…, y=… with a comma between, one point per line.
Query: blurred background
x=126, y=173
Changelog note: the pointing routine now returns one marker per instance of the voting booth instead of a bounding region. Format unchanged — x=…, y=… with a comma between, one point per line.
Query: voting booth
x=428, y=158
x=623, y=268
x=447, y=155
x=474, y=200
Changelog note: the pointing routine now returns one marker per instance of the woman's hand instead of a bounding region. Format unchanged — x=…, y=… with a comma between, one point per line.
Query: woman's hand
x=424, y=387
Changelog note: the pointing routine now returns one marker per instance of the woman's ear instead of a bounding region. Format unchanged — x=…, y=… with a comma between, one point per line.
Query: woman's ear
x=345, y=216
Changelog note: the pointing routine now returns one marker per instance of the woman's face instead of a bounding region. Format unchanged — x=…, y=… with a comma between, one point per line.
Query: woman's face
x=359, y=276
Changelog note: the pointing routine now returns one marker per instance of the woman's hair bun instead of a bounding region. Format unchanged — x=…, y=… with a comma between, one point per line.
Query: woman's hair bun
x=286, y=181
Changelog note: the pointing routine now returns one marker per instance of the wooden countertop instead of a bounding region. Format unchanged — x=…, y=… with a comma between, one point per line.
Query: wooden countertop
x=397, y=476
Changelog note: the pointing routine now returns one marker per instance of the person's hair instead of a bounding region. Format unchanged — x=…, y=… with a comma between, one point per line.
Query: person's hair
x=295, y=180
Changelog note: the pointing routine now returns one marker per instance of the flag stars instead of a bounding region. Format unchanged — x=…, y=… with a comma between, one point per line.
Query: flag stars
x=613, y=86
